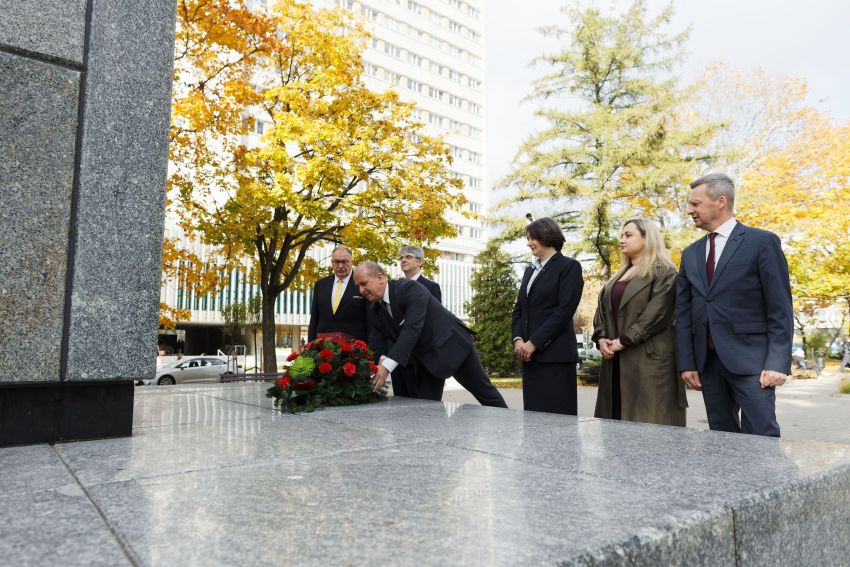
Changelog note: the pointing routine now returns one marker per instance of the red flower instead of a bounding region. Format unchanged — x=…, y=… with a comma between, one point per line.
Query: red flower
x=292, y=356
x=372, y=368
x=308, y=345
x=368, y=357
x=349, y=369
x=345, y=347
x=325, y=367
x=284, y=382
x=327, y=354
x=305, y=385
x=361, y=345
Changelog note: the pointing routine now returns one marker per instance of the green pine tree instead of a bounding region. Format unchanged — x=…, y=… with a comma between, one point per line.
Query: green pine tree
x=494, y=285
x=621, y=147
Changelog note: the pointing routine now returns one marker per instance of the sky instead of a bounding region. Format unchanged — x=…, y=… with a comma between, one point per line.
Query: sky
x=808, y=40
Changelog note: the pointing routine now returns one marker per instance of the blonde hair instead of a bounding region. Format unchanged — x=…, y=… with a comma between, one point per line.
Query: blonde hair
x=654, y=252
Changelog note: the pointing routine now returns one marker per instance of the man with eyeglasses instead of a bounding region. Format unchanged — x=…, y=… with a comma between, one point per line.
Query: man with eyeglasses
x=409, y=380
x=337, y=306
x=411, y=259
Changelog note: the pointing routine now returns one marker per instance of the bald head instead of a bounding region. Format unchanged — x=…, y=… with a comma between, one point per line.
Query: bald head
x=371, y=280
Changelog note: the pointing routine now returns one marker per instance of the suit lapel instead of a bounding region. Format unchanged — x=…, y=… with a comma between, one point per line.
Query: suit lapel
x=635, y=285
x=349, y=290
x=547, y=268
x=728, y=251
x=385, y=321
x=701, y=261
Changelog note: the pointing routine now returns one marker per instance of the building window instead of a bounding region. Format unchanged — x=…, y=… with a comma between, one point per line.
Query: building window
x=259, y=127
x=414, y=59
x=474, y=183
x=474, y=232
x=392, y=50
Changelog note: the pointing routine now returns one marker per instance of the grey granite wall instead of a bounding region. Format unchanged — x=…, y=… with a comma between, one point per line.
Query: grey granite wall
x=84, y=111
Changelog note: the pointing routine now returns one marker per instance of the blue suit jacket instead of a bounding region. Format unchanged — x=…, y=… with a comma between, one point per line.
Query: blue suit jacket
x=747, y=306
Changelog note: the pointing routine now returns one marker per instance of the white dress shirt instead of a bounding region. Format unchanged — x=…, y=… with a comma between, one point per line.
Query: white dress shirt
x=344, y=286
x=723, y=232
x=538, y=267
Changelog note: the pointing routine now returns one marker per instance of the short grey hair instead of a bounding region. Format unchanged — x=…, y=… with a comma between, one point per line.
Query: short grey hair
x=717, y=184
x=372, y=268
x=417, y=251
x=341, y=247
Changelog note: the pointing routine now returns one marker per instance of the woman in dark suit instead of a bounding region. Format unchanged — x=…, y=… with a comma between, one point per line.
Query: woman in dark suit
x=544, y=339
x=633, y=327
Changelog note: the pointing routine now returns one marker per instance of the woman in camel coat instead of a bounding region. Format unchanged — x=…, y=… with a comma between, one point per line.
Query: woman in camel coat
x=633, y=327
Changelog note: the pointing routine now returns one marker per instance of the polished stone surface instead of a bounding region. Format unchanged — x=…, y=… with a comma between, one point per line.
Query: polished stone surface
x=117, y=261
x=214, y=476
x=54, y=29
x=38, y=119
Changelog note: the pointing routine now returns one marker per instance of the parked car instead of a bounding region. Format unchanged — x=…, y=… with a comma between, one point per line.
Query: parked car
x=588, y=350
x=191, y=369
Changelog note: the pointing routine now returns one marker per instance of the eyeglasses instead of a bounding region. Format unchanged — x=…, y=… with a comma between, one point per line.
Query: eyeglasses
x=340, y=262
x=408, y=257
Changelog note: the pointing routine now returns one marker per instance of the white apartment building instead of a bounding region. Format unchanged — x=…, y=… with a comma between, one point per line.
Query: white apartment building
x=432, y=53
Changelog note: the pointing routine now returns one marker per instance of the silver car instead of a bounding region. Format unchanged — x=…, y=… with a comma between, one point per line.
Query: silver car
x=194, y=369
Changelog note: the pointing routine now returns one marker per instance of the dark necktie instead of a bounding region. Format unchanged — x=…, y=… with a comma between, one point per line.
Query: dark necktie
x=709, y=263
x=709, y=272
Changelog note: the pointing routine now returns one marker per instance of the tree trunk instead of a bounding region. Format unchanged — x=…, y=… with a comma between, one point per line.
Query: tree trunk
x=256, y=359
x=269, y=357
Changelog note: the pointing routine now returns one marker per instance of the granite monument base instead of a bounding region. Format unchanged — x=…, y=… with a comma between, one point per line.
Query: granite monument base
x=214, y=476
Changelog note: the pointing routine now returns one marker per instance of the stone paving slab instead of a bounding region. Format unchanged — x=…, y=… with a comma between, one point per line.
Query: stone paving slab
x=416, y=504
x=214, y=476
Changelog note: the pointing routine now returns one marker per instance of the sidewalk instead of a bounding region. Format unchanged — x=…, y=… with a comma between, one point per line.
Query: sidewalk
x=806, y=409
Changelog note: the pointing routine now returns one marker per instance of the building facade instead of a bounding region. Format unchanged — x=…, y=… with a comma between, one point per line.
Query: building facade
x=432, y=53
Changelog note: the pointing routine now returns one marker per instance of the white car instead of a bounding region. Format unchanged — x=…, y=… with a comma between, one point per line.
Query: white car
x=191, y=369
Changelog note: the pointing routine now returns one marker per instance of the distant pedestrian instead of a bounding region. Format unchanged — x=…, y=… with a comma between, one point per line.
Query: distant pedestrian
x=845, y=353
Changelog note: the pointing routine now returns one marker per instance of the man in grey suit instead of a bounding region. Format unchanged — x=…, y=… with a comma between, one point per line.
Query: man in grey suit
x=410, y=380
x=408, y=324
x=411, y=260
x=734, y=319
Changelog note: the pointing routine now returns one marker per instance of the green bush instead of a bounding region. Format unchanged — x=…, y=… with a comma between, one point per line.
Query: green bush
x=844, y=387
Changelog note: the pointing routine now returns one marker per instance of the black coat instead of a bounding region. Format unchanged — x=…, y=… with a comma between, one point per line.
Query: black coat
x=420, y=329
x=351, y=314
x=431, y=286
x=545, y=315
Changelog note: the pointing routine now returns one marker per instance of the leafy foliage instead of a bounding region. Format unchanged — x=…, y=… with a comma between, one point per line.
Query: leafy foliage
x=802, y=192
x=627, y=149
x=330, y=371
x=494, y=285
x=336, y=161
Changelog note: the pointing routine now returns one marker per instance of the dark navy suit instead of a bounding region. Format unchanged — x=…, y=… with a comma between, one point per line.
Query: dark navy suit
x=421, y=330
x=350, y=316
x=544, y=315
x=747, y=309
x=409, y=380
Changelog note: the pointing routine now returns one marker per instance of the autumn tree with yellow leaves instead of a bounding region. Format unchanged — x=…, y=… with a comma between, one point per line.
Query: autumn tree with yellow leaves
x=337, y=162
x=802, y=192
